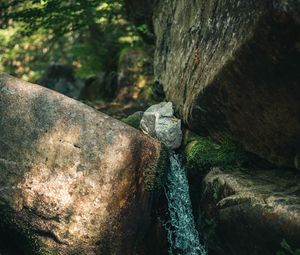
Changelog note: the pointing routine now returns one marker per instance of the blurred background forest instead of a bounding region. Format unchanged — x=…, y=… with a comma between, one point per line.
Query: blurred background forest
x=86, y=49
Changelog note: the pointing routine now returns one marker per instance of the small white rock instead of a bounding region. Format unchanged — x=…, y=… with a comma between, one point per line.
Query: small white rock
x=159, y=122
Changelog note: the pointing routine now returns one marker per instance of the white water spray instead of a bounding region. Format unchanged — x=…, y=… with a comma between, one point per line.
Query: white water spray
x=182, y=234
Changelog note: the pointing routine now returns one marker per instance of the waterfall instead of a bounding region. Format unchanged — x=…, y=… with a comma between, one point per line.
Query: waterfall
x=182, y=234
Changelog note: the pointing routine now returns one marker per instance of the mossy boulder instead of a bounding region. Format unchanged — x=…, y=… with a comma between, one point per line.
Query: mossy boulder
x=203, y=153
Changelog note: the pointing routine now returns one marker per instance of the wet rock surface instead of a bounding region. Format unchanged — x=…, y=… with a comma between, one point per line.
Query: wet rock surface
x=231, y=67
x=252, y=212
x=72, y=180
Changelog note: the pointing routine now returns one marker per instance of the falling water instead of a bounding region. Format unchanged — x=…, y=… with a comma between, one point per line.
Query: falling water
x=182, y=234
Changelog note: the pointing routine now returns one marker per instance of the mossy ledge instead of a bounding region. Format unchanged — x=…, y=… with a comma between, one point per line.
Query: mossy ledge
x=132, y=120
x=203, y=153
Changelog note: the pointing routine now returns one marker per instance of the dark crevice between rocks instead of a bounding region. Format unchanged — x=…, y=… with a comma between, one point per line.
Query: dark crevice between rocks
x=237, y=160
x=154, y=230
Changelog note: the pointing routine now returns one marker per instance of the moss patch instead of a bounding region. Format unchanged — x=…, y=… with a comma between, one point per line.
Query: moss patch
x=132, y=120
x=155, y=178
x=204, y=154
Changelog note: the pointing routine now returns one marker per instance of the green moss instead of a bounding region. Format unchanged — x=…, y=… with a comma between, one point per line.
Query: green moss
x=204, y=154
x=155, y=177
x=132, y=120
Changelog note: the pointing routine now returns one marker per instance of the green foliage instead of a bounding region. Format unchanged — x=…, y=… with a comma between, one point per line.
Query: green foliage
x=205, y=154
x=87, y=34
x=23, y=56
x=287, y=249
x=60, y=16
x=143, y=28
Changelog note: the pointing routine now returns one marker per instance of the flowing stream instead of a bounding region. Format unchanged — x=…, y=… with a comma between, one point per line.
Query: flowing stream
x=182, y=234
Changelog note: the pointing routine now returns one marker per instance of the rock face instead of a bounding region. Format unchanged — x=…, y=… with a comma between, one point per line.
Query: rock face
x=159, y=122
x=252, y=212
x=232, y=67
x=72, y=180
x=62, y=79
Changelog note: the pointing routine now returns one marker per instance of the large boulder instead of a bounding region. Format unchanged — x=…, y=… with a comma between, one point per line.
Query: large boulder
x=251, y=213
x=232, y=67
x=72, y=180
